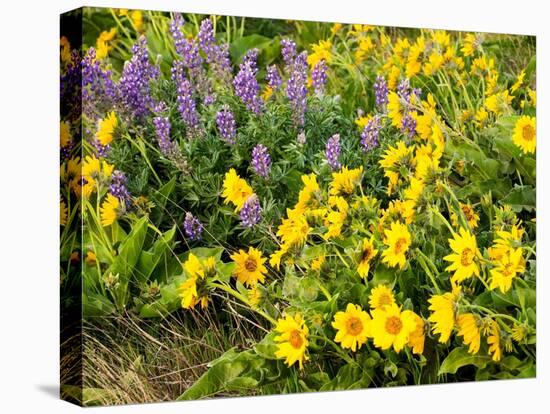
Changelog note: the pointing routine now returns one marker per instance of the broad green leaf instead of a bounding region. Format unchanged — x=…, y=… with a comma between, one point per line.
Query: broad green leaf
x=459, y=357
x=521, y=198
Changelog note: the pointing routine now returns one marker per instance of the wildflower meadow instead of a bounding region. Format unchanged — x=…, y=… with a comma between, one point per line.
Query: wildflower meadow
x=254, y=206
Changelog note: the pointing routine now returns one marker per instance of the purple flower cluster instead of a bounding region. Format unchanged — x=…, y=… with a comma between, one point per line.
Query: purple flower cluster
x=296, y=87
x=168, y=148
x=98, y=89
x=332, y=152
x=70, y=89
x=226, y=124
x=370, y=134
x=288, y=51
x=192, y=226
x=133, y=87
x=118, y=187
x=380, y=91
x=261, y=161
x=246, y=85
x=404, y=91
x=217, y=56
x=251, y=213
x=251, y=58
x=273, y=77
x=408, y=125
x=319, y=76
x=186, y=102
x=162, y=129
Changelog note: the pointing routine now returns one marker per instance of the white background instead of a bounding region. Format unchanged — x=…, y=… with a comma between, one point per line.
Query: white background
x=29, y=205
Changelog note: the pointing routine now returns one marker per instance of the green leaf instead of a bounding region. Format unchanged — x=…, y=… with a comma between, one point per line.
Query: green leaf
x=148, y=260
x=521, y=198
x=459, y=357
x=96, y=305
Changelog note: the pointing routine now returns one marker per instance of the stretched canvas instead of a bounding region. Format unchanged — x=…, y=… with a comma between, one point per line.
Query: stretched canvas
x=254, y=206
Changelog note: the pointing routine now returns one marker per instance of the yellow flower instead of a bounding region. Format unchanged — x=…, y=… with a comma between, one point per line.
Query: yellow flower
x=471, y=216
x=110, y=209
x=508, y=266
x=103, y=43
x=321, y=51
x=532, y=96
x=498, y=102
x=394, y=161
x=391, y=327
x=137, y=19
x=292, y=341
x=417, y=337
x=235, y=189
x=394, y=109
x=311, y=187
x=294, y=229
x=335, y=28
x=468, y=328
x=518, y=333
x=518, y=82
x=368, y=252
x=443, y=314
x=493, y=340
x=254, y=296
x=525, y=133
x=91, y=258
x=62, y=212
x=249, y=269
x=94, y=171
x=471, y=44
x=345, y=181
x=318, y=263
x=276, y=257
x=463, y=260
x=398, y=240
x=362, y=121
x=335, y=219
x=381, y=296
x=353, y=327
x=266, y=94
x=106, y=129
x=65, y=134
x=65, y=49
x=193, y=290
x=365, y=46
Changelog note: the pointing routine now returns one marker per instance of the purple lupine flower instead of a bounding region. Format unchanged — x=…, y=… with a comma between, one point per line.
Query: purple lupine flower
x=404, y=89
x=380, y=91
x=193, y=227
x=408, y=125
x=261, y=161
x=370, y=134
x=187, y=49
x=247, y=88
x=288, y=51
x=133, y=87
x=332, y=152
x=162, y=129
x=226, y=124
x=209, y=99
x=186, y=102
x=319, y=77
x=101, y=151
x=160, y=108
x=273, y=77
x=296, y=88
x=251, y=213
x=118, y=187
x=98, y=89
x=168, y=148
x=251, y=57
x=70, y=90
x=217, y=56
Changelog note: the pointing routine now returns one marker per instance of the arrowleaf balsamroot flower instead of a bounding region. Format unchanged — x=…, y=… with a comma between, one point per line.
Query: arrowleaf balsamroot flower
x=508, y=266
x=464, y=257
x=493, y=340
x=353, y=327
x=107, y=128
x=110, y=209
x=345, y=181
x=468, y=328
x=194, y=290
x=249, y=269
x=368, y=252
x=392, y=327
x=525, y=134
x=235, y=189
x=417, y=337
x=292, y=340
x=443, y=311
x=398, y=240
x=381, y=296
